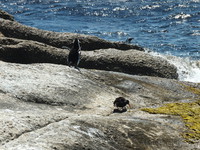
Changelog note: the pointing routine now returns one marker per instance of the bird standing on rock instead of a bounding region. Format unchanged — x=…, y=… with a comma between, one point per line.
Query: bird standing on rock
x=121, y=102
x=74, y=54
x=128, y=40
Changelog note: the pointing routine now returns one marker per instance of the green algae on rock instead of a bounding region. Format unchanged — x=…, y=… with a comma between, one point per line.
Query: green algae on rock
x=192, y=89
x=190, y=113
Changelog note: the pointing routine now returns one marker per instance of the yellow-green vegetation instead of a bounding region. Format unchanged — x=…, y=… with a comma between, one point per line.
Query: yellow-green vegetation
x=192, y=89
x=190, y=112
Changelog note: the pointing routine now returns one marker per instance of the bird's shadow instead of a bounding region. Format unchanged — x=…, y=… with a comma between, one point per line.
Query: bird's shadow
x=119, y=111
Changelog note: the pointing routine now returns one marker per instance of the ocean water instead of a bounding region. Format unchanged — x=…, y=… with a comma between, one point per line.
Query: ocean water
x=170, y=28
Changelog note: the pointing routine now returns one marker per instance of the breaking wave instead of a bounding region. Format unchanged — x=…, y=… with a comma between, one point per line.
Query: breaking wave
x=188, y=70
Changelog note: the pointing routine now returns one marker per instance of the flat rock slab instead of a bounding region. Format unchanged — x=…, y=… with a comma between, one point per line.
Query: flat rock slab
x=51, y=84
x=48, y=106
x=97, y=133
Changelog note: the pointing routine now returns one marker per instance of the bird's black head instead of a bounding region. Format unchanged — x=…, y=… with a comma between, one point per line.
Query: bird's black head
x=127, y=101
x=128, y=40
x=76, y=44
x=121, y=100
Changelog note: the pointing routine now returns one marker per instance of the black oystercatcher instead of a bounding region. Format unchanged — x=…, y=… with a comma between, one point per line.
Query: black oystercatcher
x=128, y=40
x=121, y=102
x=74, y=54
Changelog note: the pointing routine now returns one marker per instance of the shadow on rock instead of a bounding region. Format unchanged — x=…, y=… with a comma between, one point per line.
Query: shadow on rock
x=119, y=111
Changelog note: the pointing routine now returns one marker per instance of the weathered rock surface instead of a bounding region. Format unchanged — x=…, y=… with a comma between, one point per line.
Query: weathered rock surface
x=6, y=15
x=130, y=61
x=17, y=30
x=28, y=51
x=48, y=106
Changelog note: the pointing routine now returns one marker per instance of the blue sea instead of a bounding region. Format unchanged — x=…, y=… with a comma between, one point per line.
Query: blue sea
x=169, y=28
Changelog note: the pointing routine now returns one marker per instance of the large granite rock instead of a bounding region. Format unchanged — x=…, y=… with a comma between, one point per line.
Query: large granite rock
x=17, y=30
x=47, y=106
x=28, y=51
x=130, y=61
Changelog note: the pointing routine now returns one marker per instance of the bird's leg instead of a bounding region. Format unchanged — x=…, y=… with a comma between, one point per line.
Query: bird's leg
x=76, y=67
x=69, y=64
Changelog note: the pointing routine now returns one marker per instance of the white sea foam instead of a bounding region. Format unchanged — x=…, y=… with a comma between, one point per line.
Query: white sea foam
x=182, y=16
x=196, y=32
x=196, y=1
x=150, y=6
x=119, y=8
x=188, y=70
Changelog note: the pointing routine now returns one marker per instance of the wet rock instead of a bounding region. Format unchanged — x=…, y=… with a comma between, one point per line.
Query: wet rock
x=130, y=61
x=27, y=51
x=17, y=30
x=6, y=15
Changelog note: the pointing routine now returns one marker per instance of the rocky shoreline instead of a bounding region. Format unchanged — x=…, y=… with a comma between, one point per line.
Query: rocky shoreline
x=44, y=104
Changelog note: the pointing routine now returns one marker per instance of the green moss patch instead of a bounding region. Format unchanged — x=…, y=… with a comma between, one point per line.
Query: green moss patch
x=192, y=89
x=190, y=112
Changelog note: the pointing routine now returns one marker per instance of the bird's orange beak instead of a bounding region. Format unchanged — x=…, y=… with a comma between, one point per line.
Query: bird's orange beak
x=129, y=105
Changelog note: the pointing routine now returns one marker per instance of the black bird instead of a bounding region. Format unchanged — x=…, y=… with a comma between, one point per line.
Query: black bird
x=128, y=40
x=121, y=102
x=74, y=54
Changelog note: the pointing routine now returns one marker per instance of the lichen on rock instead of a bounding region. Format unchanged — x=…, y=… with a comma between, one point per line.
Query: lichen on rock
x=190, y=113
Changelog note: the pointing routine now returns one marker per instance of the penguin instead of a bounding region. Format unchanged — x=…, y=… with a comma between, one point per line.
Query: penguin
x=74, y=54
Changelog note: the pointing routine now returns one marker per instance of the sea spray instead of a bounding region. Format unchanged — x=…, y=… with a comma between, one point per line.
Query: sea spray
x=188, y=70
